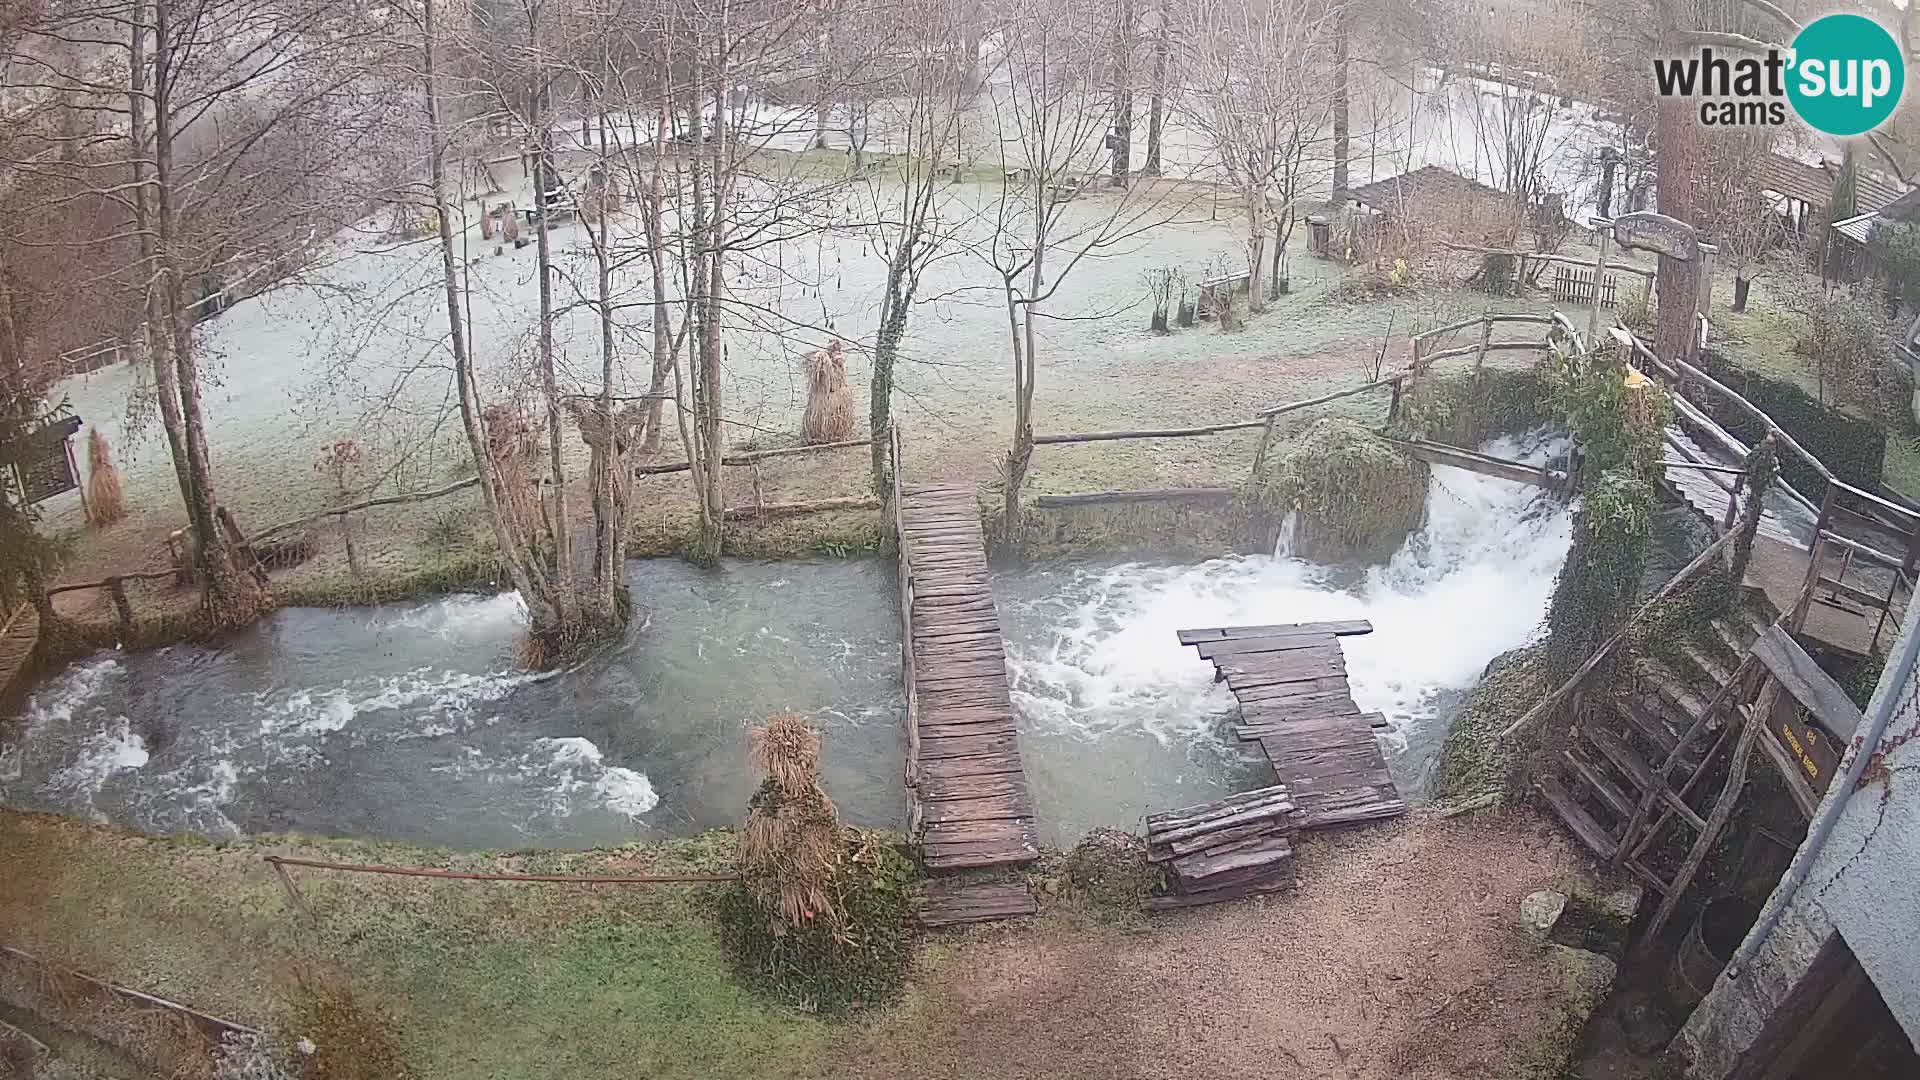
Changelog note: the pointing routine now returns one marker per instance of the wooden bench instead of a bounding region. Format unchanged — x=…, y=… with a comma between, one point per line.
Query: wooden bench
x=1216, y=293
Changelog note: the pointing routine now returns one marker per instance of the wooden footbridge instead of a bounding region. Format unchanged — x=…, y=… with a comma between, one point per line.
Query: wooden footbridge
x=968, y=805
x=1291, y=682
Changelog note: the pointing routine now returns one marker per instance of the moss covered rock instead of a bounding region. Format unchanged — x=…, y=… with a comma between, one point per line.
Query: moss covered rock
x=1357, y=495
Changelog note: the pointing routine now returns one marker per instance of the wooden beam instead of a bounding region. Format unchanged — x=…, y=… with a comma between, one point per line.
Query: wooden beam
x=1094, y=498
x=1294, y=406
x=1163, y=433
x=1824, y=700
x=1338, y=628
x=1473, y=461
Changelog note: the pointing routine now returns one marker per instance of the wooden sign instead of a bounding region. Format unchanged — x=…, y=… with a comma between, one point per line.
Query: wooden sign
x=1653, y=231
x=46, y=467
x=1806, y=746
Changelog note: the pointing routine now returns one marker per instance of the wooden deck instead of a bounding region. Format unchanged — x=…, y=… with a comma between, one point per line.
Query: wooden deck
x=968, y=805
x=19, y=631
x=1291, y=681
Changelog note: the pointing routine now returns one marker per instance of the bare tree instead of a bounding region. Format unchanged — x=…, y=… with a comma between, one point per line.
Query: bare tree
x=915, y=220
x=1053, y=114
x=1257, y=92
x=240, y=129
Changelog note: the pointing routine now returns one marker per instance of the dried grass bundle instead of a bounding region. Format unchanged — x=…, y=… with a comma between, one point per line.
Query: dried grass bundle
x=790, y=846
x=829, y=417
x=106, y=503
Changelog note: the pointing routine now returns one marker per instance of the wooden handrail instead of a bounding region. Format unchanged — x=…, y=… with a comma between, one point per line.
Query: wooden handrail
x=1163, y=433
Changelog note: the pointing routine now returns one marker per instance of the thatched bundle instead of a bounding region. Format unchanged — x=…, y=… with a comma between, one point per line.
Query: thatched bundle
x=791, y=844
x=830, y=415
x=513, y=447
x=105, y=502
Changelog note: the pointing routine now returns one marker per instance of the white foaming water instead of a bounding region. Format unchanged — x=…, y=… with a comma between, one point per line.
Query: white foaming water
x=73, y=690
x=465, y=615
x=572, y=760
x=447, y=698
x=103, y=754
x=1473, y=583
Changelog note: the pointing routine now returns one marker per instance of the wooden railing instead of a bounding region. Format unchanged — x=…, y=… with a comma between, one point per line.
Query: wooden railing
x=896, y=459
x=1840, y=503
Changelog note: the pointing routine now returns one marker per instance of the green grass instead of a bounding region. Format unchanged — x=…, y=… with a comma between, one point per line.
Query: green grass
x=1901, y=472
x=475, y=980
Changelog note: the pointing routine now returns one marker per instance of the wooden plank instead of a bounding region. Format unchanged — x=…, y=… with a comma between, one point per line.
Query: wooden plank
x=1642, y=775
x=1262, y=851
x=1296, y=667
x=1576, y=818
x=979, y=832
x=1804, y=797
x=981, y=727
x=1232, y=646
x=1187, y=815
x=1650, y=726
x=1268, y=811
x=952, y=902
x=1339, y=628
x=941, y=788
x=949, y=769
x=1604, y=789
x=985, y=808
x=1811, y=687
x=1347, y=815
x=1159, y=853
x=968, y=746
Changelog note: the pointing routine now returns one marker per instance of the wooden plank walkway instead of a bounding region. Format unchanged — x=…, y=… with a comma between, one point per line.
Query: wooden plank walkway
x=1291, y=681
x=19, y=632
x=968, y=800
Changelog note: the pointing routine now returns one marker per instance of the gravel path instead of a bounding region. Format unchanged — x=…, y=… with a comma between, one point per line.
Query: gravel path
x=1398, y=958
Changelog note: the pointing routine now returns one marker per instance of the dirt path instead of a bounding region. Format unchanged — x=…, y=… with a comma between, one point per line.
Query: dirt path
x=1398, y=958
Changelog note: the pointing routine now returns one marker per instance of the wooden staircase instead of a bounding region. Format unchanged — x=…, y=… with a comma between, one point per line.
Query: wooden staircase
x=1633, y=771
x=1640, y=754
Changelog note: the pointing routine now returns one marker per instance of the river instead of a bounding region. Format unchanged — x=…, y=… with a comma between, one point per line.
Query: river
x=410, y=722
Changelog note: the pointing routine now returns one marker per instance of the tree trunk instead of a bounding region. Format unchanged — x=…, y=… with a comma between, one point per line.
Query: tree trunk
x=1157, y=104
x=512, y=552
x=886, y=349
x=651, y=212
x=1676, y=154
x=1341, y=107
x=563, y=593
x=1256, y=250
x=1122, y=135
x=1740, y=287
x=233, y=596
x=1278, y=284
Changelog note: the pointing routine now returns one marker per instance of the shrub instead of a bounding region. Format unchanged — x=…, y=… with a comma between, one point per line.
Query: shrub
x=1357, y=494
x=1635, y=307
x=1849, y=341
x=820, y=916
x=1109, y=868
x=449, y=531
x=861, y=961
x=1855, y=449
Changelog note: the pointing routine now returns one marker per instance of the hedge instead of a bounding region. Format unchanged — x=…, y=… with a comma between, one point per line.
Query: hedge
x=1853, y=448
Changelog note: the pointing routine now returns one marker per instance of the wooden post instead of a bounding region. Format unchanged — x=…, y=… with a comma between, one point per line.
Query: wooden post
x=1393, y=407
x=122, y=609
x=1599, y=275
x=1266, y=441
x=1722, y=809
x=1798, y=619
x=73, y=466
x=293, y=892
x=1733, y=501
